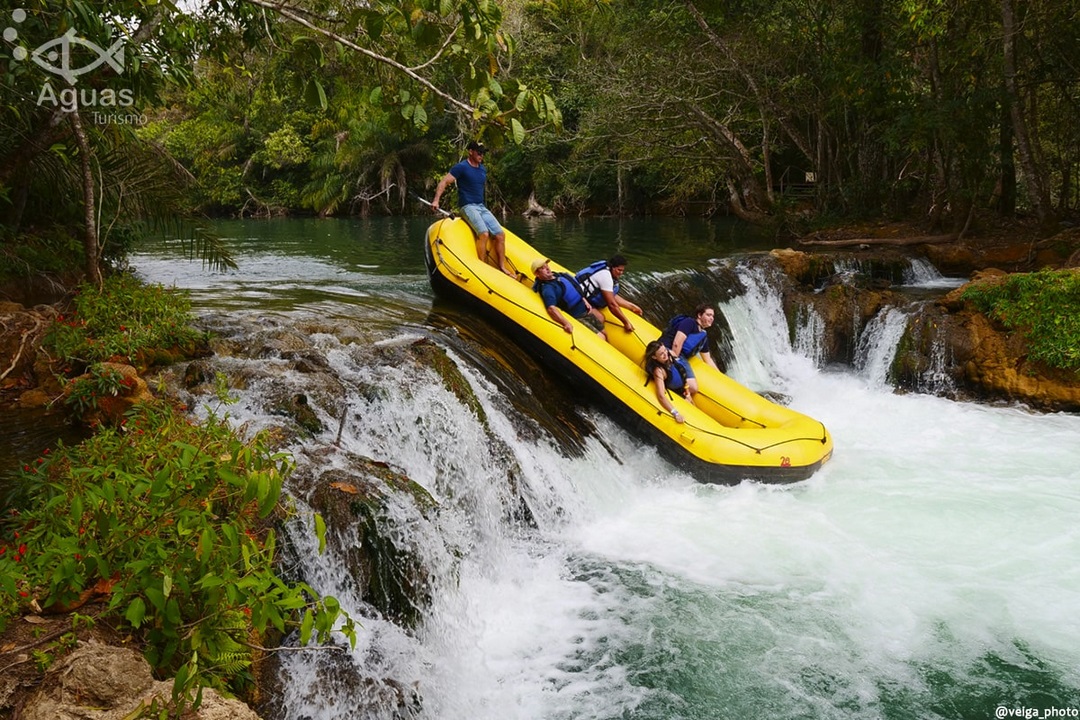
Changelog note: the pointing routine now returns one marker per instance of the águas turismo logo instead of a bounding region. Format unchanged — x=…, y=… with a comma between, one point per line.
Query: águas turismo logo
x=69, y=57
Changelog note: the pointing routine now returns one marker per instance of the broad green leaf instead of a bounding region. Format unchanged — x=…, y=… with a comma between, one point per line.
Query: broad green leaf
x=320, y=532
x=172, y=612
x=305, y=626
x=206, y=543
x=136, y=612
x=269, y=499
x=76, y=512
x=518, y=130
x=314, y=94
x=210, y=581
x=549, y=106
x=156, y=598
x=375, y=24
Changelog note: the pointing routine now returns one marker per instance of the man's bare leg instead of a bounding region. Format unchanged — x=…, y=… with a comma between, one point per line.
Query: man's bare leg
x=481, y=247
x=499, y=242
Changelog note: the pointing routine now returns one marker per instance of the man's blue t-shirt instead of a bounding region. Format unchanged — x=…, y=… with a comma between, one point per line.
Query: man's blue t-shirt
x=695, y=339
x=470, y=182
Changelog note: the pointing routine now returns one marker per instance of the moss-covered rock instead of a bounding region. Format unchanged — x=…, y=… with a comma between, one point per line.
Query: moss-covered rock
x=431, y=355
x=356, y=505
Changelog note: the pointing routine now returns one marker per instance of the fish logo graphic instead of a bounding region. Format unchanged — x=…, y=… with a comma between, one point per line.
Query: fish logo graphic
x=59, y=49
x=114, y=56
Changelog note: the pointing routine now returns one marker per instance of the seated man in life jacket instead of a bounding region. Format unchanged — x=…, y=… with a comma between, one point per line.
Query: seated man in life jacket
x=685, y=335
x=561, y=290
x=669, y=375
x=600, y=282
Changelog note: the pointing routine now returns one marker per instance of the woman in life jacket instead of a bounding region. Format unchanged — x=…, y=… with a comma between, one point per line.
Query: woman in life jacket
x=600, y=283
x=669, y=375
x=686, y=335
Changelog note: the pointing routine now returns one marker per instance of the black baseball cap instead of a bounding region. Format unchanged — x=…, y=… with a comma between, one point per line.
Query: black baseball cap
x=477, y=146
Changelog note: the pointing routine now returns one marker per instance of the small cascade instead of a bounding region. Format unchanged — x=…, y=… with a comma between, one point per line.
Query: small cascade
x=936, y=379
x=850, y=267
x=440, y=493
x=809, y=334
x=763, y=352
x=920, y=272
x=878, y=344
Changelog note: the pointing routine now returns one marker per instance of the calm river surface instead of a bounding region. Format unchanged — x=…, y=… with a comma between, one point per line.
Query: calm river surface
x=930, y=570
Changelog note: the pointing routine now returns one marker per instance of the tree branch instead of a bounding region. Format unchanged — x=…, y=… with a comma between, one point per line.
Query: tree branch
x=286, y=12
x=791, y=131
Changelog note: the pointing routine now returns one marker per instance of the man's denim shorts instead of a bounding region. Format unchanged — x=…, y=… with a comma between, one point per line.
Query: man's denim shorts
x=481, y=220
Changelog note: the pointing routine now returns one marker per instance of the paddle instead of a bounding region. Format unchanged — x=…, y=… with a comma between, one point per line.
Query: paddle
x=442, y=212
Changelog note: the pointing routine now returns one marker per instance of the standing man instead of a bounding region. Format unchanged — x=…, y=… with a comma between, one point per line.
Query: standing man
x=471, y=177
x=600, y=281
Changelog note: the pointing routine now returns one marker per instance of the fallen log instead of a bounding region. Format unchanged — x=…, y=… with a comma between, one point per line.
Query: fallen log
x=852, y=242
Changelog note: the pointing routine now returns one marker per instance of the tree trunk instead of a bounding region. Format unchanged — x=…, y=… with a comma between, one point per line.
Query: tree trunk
x=90, y=238
x=1033, y=178
x=1065, y=196
x=1006, y=204
x=620, y=182
x=766, y=161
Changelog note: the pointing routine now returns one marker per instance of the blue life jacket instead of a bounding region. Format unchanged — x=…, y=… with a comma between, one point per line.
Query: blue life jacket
x=570, y=297
x=675, y=374
x=591, y=292
x=694, y=343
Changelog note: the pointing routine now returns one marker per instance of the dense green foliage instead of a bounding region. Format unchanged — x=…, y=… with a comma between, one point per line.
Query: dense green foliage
x=781, y=112
x=776, y=111
x=263, y=110
x=165, y=520
x=1044, y=306
x=124, y=319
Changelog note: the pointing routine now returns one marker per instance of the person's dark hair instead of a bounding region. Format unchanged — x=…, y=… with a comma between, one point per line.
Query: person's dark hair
x=652, y=363
x=616, y=261
x=650, y=350
x=701, y=308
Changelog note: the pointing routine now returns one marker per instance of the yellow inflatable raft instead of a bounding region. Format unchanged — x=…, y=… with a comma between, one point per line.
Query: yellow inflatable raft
x=730, y=434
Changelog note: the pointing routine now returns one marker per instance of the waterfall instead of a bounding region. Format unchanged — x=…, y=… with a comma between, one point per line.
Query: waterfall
x=877, y=345
x=764, y=355
x=928, y=570
x=484, y=565
x=920, y=272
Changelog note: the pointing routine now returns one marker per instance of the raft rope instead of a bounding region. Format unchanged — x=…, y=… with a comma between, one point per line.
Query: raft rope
x=573, y=346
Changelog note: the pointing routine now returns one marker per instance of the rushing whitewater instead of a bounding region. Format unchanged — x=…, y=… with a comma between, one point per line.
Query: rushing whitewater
x=928, y=571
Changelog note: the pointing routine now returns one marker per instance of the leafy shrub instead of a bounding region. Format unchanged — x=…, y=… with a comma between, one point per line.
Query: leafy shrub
x=53, y=250
x=165, y=520
x=85, y=393
x=1044, y=306
x=123, y=318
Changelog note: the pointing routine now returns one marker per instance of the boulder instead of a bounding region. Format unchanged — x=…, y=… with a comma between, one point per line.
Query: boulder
x=104, y=682
x=110, y=409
